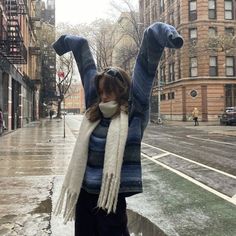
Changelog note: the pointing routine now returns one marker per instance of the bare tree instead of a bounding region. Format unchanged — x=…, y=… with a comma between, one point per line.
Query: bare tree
x=101, y=38
x=218, y=43
x=134, y=29
x=223, y=43
x=102, y=42
x=130, y=31
x=64, y=78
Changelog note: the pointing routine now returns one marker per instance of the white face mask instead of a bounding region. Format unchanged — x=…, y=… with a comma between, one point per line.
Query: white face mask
x=108, y=109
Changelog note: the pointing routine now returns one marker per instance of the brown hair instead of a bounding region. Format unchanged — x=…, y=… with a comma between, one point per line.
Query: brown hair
x=115, y=80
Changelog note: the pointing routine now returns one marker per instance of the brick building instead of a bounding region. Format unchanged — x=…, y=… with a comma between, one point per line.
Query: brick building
x=19, y=64
x=203, y=73
x=45, y=10
x=74, y=100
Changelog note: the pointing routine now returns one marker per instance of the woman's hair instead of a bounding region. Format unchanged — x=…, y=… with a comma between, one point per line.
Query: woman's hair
x=117, y=81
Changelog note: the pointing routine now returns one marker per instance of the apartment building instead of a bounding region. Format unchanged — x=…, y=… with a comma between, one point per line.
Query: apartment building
x=19, y=67
x=45, y=10
x=203, y=73
x=74, y=99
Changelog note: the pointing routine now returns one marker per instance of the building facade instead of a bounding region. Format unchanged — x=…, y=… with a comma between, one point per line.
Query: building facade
x=45, y=11
x=19, y=69
x=74, y=99
x=203, y=73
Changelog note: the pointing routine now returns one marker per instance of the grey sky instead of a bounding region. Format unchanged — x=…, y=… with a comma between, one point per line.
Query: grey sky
x=81, y=11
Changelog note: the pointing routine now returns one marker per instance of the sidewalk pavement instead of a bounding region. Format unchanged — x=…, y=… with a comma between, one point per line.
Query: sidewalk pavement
x=34, y=159
x=210, y=126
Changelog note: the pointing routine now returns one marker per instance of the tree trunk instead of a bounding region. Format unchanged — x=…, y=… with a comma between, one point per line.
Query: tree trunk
x=59, y=109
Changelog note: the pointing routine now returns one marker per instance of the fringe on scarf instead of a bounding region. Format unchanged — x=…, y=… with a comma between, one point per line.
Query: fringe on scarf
x=70, y=204
x=109, y=193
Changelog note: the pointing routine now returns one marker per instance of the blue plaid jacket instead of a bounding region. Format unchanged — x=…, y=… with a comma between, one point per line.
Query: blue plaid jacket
x=156, y=37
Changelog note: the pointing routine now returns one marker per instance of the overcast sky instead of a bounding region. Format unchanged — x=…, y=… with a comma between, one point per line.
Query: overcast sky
x=81, y=11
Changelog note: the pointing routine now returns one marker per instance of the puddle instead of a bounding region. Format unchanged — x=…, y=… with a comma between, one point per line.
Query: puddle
x=44, y=207
x=141, y=226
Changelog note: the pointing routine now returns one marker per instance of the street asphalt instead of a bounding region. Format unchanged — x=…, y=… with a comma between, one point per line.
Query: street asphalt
x=34, y=159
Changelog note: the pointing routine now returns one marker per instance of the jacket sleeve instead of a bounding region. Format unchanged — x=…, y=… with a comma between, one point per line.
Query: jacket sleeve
x=156, y=37
x=85, y=62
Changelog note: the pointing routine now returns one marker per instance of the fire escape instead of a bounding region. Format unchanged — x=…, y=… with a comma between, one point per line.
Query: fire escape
x=11, y=40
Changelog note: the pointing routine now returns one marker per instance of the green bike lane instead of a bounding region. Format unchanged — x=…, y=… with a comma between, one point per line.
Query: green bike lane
x=179, y=207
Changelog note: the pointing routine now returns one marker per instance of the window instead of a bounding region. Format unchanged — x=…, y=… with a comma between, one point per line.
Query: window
x=212, y=9
x=193, y=93
x=229, y=31
x=229, y=67
x=154, y=12
x=170, y=2
x=193, y=34
x=230, y=98
x=162, y=75
x=213, y=70
x=178, y=14
x=179, y=68
x=212, y=32
x=163, y=97
x=193, y=66
x=192, y=10
x=147, y=3
x=228, y=9
x=171, y=18
x=171, y=72
x=171, y=95
x=147, y=16
x=162, y=6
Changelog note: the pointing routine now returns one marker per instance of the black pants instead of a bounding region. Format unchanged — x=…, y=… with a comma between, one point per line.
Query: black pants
x=91, y=221
x=196, y=121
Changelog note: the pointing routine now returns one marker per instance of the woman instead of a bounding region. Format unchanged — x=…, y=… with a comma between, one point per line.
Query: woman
x=106, y=163
x=195, y=114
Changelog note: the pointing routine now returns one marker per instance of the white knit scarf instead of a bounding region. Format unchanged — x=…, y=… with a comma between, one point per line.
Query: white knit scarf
x=114, y=151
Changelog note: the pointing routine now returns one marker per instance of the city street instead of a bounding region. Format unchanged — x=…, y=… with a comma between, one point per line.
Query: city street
x=188, y=172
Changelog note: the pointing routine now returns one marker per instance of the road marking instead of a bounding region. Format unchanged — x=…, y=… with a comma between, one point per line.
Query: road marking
x=186, y=159
x=234, y=199
x=210, y=140
x=161, y=155
x=221, y=195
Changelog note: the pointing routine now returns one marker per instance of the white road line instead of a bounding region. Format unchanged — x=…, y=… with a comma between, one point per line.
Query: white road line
x=234, y=199
x=225, y=197
x=191, y=144
x=186, y=159
x=161, y=155
x=210, y=140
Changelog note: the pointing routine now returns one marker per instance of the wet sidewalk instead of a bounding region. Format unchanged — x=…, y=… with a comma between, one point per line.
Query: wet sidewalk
x=34, y=159
x=32, y=162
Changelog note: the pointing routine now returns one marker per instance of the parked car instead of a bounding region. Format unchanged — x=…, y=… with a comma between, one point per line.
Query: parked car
x=229, y=116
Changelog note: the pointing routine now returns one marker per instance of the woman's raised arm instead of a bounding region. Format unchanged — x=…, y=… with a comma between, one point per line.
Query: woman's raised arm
x=84, y=59
x=156, y=37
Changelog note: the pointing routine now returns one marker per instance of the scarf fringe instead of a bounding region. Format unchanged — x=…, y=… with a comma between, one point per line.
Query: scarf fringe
x=70, y=204
x=109, y=193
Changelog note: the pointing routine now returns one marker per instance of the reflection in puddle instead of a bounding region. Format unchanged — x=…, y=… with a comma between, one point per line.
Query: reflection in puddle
x=140, y=226
x=44, y=207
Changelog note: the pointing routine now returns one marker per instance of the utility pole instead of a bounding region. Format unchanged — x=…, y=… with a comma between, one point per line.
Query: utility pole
x=64, y=117
x=159, y=121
